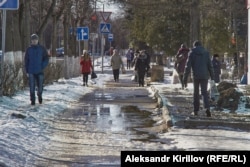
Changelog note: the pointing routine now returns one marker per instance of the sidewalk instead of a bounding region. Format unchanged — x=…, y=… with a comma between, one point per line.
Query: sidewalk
x=177, y=109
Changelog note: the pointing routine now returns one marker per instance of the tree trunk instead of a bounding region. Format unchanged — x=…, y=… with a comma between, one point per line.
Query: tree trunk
x=195, y=21
x=66, y=35
x=54, y=37
x=13, y=40
x=25, y=23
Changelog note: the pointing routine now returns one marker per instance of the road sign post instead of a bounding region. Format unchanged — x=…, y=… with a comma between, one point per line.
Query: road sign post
x=9, y=4
x=93, y=36
x=105, y=28
x=82, y=35
x=248, y=55
x=5, y=5
x=110, y=38
x=105, y=15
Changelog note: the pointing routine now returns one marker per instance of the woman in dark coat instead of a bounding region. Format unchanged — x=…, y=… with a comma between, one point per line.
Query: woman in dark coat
x=217, y=68
x=141, y=66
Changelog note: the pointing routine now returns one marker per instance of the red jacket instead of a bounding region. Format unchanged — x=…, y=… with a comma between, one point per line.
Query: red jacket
x=86, y=65
x=181, y=56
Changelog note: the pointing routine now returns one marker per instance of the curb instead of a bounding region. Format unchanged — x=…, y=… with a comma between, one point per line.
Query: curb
x=161, y=103
x=193, y=122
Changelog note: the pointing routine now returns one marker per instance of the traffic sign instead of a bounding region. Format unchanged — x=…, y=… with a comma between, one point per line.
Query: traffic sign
x=105, y=28
x=105, y=15
x=9, y=4
x=82, y=33
x=110, y=37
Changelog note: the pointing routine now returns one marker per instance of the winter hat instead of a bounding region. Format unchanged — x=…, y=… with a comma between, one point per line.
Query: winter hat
x=183, y=46
x=84, y=51
x=215, y=55
x=34, y=37
x=197, y=43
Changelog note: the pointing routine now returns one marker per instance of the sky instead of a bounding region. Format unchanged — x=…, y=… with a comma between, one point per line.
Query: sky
x=110, y=7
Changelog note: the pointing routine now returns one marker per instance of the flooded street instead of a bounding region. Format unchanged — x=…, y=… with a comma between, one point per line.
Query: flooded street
x=92, y=132
x=92, y=128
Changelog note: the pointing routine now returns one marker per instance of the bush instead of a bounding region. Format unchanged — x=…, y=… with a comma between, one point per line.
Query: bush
x=12, y=79
x=14, y=76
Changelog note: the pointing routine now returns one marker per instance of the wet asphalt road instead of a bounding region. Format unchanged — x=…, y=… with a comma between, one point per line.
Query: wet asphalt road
x=93, y=132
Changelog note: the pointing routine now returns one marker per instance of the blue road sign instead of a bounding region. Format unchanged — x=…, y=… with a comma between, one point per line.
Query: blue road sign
x=9, y=4
x=82, y=33
x=110, y=37
x=105, y=28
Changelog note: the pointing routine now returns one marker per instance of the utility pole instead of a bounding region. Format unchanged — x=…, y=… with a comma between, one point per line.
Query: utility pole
x=3, y=51
x=248, y=47
x=102, y=45
x=195, y=21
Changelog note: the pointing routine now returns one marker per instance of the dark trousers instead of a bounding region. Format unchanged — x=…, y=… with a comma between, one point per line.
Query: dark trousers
x=36, y=79
x=85, y=77
x=181, y=79
x=216, y=78
x=128, y=64
x=116, y=74
x=203, y=84
x=141, y=75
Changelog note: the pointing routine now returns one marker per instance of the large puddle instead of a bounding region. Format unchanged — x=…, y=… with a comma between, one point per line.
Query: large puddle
x=92, y=131
x=111, y=118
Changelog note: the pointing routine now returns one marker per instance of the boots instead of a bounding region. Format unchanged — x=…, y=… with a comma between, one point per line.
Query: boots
x=208, y=112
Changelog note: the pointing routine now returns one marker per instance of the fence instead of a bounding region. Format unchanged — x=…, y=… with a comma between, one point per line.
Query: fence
x=14, y=77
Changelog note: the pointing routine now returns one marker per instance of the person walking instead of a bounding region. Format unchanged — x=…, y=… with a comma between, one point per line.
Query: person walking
x=181, y=58
x=36, y=59
x=129, y=58
x=135, y=57
x=141, y=66
x=217, y=68
x=86, y=66
x=200, y=62
x=235, y=66
x=116, y=63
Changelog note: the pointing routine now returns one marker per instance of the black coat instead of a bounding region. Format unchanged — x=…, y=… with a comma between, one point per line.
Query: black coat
x=141, y=64
x=217, y=70
x=200, y=62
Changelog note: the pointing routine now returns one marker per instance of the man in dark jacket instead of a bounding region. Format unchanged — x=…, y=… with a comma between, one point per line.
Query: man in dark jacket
x=36, y=59
x=200, y=62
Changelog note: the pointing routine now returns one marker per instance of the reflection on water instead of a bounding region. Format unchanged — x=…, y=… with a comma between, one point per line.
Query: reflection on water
x=111, y=118
x=126, y=119
x=73, y=134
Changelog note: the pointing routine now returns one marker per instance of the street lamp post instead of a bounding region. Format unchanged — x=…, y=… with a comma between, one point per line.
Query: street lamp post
x=248, y=52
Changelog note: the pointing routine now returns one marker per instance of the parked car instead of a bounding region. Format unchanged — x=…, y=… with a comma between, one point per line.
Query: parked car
x=60, y=51
x=95, y=54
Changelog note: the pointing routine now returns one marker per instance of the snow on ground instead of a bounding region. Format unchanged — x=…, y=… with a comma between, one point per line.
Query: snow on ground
x=64, y=93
